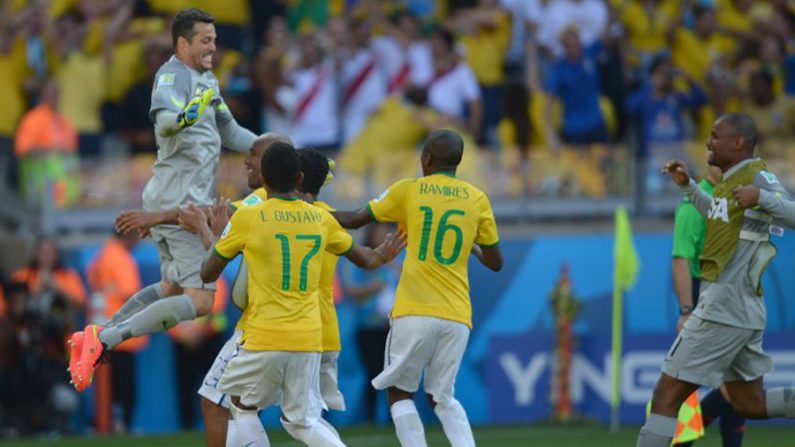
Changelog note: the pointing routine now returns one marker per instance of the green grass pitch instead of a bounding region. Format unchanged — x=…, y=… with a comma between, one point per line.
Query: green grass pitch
x=509, y=436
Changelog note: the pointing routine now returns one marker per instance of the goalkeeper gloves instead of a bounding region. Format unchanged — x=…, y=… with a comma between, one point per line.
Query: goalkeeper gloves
x=193, y=111
x=331, y=165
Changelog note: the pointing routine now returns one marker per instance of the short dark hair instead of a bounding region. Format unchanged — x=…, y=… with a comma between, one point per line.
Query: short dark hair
x=416, y=95
x=701, y=10
x=447, y=37
x=280, y=167
x=446, y=147
x=763, y=76
x=315, y=167
x=658, y=60
x=742, y=124
x=182, y=24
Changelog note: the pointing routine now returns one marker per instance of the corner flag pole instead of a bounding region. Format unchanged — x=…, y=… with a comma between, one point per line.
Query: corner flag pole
x=625, y=270
x=615, y=370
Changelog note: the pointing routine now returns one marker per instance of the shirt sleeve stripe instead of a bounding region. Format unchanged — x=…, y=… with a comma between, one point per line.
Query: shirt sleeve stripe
x=349, y=249
x=372, y=214
x=215, y=251
x=489, y=245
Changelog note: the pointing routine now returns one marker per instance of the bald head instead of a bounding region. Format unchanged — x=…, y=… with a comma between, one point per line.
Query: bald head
x=444, y=149
x=258, y=147
x=269, y=138
x=744, y=126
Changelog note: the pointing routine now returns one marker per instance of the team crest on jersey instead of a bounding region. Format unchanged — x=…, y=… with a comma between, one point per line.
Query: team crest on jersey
x=769, y=176
x=166, y=79
x=381, y=196
x=719, y=209
x=226, y=229
x=251, y=200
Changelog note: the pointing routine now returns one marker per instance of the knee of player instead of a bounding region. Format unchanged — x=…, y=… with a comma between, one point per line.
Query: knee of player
x=752, y=407
x=295, y=430
x=211, y=409
x=665, y=401
x=170, y=289
x=395, y=394
x=203, y=301
x=238, y=407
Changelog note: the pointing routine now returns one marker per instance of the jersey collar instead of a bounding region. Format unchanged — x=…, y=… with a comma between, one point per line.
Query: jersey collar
x=738, y=166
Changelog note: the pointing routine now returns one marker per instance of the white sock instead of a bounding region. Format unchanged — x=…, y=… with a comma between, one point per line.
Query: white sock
x=136, y=303
x=159, y=316
x=248, y=428
x=780, y=402
x=232, y=440
x=455, y=424
x=658, y=431
x=408, y=425
x=315, y=435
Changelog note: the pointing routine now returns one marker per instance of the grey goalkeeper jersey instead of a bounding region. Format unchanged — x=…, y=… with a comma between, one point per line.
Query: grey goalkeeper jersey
x=732, y=299
x=187, y=162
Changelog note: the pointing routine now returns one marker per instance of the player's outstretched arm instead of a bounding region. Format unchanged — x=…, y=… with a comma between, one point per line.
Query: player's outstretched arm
x=368, y=258
x=193, y=219
x=680, y=175
x=206, y=222
x=142, y=221
x=213, y=266
x=354, y=219
x=491, y=257
x=233, y=135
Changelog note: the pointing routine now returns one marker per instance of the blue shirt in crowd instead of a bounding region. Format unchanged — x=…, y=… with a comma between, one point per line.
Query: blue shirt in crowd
x=661, y=119
x=576, y=84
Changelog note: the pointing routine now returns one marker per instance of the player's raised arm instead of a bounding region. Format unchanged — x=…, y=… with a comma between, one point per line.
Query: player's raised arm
x=228, y=246
x=173, y=109
x=142, y=221
x=233, y=135
x=680, y=175
x=354, y=219
x=369, y=258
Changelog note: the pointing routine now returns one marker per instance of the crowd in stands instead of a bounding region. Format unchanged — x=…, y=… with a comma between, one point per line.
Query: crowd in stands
x=545, y=92
x=527, y=81
x=44, y=300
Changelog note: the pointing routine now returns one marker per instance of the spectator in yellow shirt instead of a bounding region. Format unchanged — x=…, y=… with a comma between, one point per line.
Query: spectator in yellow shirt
x=696, y=51
x=646, y=22
x=486, y=34
x=79, y=69
x=774, y=114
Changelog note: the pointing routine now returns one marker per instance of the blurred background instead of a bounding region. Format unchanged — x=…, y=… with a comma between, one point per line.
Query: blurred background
x=568, y=109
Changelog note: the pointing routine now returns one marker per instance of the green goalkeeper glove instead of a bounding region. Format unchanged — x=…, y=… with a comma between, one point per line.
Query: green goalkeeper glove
x=193, y=111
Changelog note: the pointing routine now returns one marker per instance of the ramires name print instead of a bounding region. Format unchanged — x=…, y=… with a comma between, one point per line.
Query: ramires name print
x=460, y=192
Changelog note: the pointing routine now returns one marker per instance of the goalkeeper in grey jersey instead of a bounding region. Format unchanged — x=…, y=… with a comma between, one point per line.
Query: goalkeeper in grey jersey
x=192, y=122
x=721, y=343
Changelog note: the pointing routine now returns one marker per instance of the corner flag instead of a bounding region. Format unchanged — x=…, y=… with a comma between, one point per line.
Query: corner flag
x=625, y=270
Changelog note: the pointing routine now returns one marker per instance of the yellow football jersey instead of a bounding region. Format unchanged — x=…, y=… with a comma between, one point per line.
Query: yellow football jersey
x=443, y=216
x=282, y=242
x=256, y=197
x=328, y=313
